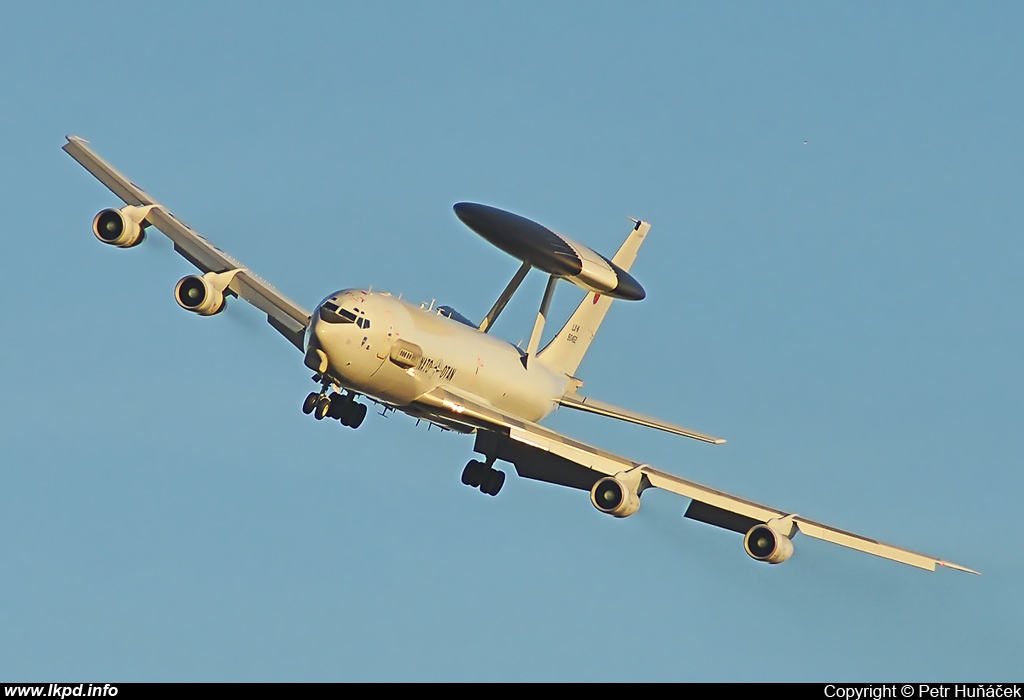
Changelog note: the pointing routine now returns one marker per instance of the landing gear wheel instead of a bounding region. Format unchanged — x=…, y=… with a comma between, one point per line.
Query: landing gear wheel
x=337, y=408
x=356, y=415
x=323, y=405
x=492, y=482
x=472, y=473
x=310, y=403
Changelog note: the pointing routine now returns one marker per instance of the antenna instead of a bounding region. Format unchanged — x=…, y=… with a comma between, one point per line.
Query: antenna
x=499, y=305
x=542, y=314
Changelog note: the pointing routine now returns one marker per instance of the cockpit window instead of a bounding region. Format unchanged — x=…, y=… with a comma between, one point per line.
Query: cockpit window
x=330, y=313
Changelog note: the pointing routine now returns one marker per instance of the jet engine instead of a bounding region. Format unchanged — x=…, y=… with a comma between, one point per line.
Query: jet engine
x=611, y=496
x=120, y=227
x=765, y=544
x=199, y=295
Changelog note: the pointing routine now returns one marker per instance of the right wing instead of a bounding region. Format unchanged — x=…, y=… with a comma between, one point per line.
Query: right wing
x=287, y=317
x=545, y=455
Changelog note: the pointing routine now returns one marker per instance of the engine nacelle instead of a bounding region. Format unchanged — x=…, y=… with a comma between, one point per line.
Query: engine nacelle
x=765, y=544
x=121, y=227
x=200, y=295
x=611, y=496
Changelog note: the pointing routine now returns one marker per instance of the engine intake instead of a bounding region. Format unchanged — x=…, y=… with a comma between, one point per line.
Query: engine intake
x=121, y=227
x=611, y=496
x=765, y=544
x=199, y=295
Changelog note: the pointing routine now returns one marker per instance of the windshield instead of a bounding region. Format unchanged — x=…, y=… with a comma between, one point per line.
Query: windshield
x=330, y=313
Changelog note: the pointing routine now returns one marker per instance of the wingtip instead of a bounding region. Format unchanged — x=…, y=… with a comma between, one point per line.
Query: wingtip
x=720, y=441
x=72, y=137
x=951, y=565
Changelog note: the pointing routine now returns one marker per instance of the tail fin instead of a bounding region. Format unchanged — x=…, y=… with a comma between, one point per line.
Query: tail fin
x=565, y=352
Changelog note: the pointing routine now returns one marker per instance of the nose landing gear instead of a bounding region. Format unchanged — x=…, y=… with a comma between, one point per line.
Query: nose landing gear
x=309, y=405
x=346, y=410
x=341, y=407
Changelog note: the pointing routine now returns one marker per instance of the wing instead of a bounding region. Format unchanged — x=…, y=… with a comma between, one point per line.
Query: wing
x=543, y=454
x=287, y=317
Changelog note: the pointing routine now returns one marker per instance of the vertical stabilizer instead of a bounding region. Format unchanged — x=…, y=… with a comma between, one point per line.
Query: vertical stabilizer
x=565, y=352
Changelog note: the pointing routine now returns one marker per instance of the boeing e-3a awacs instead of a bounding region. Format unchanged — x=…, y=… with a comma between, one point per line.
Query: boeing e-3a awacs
x=436, y=365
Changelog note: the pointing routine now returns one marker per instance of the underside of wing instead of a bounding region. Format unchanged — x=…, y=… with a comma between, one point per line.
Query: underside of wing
x=223, y=274
x=616, y=483
x=753, y=519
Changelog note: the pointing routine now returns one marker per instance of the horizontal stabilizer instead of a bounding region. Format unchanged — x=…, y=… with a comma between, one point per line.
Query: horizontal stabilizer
x=584, y=403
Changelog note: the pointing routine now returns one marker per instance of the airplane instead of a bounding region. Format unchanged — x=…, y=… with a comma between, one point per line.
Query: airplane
x=436, y=365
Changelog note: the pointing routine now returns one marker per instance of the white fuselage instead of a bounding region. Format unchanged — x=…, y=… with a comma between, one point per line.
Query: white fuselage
x=394, y=352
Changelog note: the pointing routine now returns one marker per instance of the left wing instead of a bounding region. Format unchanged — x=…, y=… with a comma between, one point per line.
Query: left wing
x=616, y=483
x=287, y=317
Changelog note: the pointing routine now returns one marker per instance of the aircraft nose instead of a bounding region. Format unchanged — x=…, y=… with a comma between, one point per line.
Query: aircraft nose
x=316, y=358
x=319, y=329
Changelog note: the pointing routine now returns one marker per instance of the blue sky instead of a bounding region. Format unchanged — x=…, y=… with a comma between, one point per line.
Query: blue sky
x=833, y=277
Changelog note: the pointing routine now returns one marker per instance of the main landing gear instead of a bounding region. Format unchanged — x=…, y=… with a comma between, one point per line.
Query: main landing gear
x=483, y=476
x=341, y=407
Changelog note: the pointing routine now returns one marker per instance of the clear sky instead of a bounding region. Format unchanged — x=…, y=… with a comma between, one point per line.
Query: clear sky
x=834, y=285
